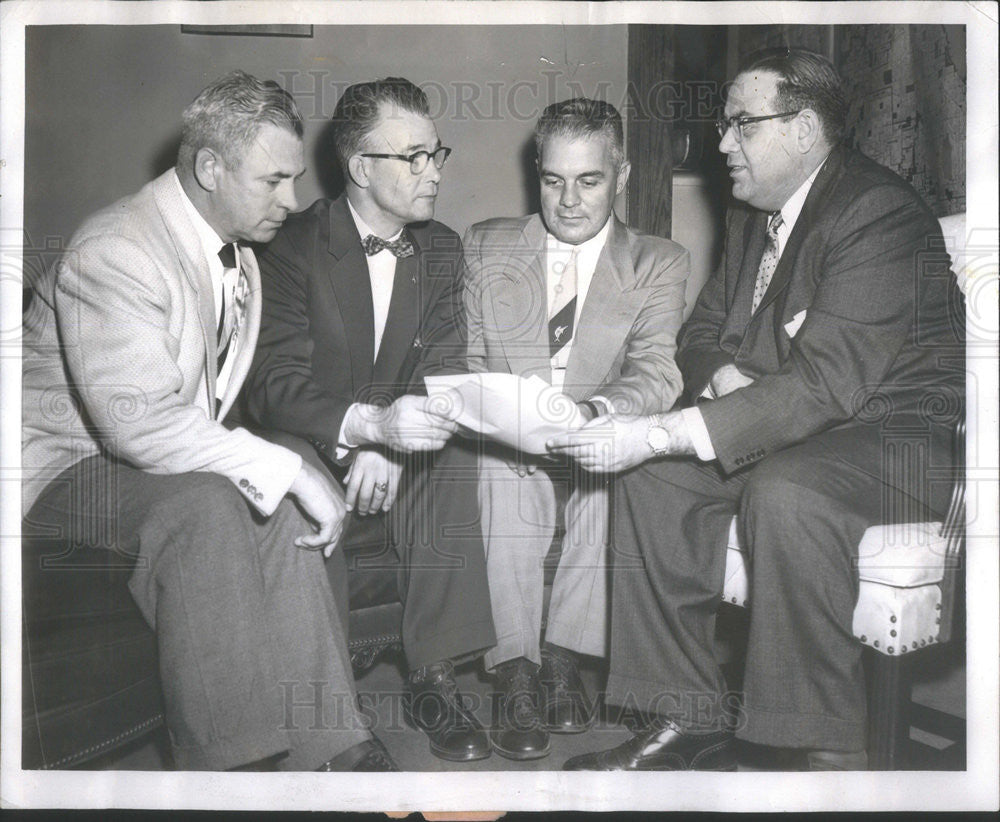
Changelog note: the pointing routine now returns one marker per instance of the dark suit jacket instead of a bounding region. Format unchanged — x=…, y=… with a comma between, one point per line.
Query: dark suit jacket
x=883, y=323
x=314, y=355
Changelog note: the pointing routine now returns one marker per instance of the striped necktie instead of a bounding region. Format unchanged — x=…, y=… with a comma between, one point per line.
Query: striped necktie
x=227, y=316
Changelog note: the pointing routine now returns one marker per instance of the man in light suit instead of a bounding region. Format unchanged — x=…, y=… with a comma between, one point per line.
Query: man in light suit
x=573, y=296
x=361, y=300
x=135, y=347
x=832, y=328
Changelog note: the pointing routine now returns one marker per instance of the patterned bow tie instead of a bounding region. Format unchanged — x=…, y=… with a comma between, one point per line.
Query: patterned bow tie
x=400, y=248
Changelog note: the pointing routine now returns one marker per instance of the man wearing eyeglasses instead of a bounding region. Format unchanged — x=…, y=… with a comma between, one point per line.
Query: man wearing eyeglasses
x=361, y=301
x=816, y=342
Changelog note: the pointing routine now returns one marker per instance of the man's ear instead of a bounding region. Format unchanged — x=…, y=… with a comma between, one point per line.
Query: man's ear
x=623, y=173
x=810, y=129
x=357, y=170
x=207, y=167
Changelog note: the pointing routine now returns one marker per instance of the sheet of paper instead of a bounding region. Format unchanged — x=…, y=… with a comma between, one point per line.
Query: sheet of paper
x=522, y=413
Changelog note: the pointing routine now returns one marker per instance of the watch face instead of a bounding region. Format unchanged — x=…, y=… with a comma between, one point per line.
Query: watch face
x=658, y=438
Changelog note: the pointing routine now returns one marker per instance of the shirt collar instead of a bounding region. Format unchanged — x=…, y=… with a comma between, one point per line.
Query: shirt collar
x=591, y=247
x=364, y=229
x=210, y=241
x=793, y=205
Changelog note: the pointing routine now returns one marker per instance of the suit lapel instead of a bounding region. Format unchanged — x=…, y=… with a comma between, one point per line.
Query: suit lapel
x=607, y=315
x=352, y=289
x=194, y=266
x=520, y=304
x=815, y=200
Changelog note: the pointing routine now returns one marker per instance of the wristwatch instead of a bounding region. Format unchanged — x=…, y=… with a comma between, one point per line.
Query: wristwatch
x=657, y=437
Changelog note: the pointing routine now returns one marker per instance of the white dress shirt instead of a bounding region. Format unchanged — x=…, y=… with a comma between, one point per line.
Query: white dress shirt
x=224, y=281
x=692, y=417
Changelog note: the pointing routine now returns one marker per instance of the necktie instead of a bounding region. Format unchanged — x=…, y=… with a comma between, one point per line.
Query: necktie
x=224, y=332
x=399, y=248
x=769, y=262
x=563, y=308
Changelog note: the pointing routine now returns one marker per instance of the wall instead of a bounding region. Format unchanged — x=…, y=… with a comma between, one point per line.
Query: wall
x=103, y=103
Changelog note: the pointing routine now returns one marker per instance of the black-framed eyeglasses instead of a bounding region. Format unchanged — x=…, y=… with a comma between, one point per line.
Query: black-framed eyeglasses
x=737, y=123
x=419, y=159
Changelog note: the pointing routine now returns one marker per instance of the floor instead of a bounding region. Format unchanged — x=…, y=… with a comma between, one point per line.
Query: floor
x=939, y=686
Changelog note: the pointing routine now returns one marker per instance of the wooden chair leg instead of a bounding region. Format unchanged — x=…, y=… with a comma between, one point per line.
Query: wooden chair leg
x=889, y=699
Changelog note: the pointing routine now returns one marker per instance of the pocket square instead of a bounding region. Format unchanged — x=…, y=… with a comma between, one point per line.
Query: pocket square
x=793, y=325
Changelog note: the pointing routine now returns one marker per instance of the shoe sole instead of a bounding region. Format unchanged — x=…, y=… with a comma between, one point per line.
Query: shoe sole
x=451, y=757
x=521, y=756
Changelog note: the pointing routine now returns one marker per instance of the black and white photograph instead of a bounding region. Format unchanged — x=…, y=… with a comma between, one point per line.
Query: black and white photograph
x=481, y=407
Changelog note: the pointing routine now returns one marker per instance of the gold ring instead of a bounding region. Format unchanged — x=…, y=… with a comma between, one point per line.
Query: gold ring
x=382, y=486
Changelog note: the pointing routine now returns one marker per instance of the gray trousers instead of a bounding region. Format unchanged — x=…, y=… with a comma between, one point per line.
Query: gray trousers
x=802, y=512
x=518, y=516
x=252, y=650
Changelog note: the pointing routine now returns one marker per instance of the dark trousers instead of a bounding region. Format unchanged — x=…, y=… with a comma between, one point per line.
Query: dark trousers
x=802, y=512
x=252, y=650
x=431, y=539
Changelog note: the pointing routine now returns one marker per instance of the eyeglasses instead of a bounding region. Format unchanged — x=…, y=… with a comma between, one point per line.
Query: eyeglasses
x=737, y=123
x=419, y=159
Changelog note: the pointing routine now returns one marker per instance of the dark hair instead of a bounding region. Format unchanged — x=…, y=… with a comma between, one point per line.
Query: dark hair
x=359, y=111
x=227, y=115
x=807, y=80
x=582, y=117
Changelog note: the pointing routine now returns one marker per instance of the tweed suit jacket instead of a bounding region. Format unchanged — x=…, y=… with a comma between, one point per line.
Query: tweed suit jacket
x=862, y=321
x=120, y=354
x=316, y=351
x=624, y=342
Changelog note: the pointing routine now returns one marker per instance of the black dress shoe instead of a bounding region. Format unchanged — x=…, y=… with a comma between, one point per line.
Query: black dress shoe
x=369, y=756
x=663, y=747
x=566, y=708
x=517, y=728
x=434, y=705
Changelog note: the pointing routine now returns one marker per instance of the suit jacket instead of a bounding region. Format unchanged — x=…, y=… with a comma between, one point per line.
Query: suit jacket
x=861, y=321
x=315, y=354
x=119, y=353
x=624, y=342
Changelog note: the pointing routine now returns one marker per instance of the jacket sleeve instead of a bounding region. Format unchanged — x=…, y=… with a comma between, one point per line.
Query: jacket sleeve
x=281, y=390
x=860, y=317
x=472, y=299
x=115, y=317
x=699, y=353
x=649, y=380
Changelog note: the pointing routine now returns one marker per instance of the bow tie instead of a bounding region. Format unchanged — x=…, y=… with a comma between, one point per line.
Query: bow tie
x=400, y=248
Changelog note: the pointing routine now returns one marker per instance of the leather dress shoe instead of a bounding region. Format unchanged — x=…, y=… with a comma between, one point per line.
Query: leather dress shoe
x=517, y=729
x=369, y=756
x=566, y=708
x=434, y=705
x=663, y=746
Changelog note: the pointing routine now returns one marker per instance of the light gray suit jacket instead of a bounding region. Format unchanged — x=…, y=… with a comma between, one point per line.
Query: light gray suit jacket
x=624, y=343
x=119, y=351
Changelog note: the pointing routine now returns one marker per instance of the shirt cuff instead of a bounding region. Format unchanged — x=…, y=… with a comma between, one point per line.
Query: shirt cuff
x=698, y=431
x=343, y=446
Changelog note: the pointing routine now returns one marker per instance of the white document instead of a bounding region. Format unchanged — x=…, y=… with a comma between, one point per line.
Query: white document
x=522, y=413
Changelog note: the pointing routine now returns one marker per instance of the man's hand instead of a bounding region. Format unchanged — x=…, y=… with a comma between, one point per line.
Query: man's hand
x=728, y=379
x=372, y=482
x=411, y=423
x=323, y=504
x=618, y=442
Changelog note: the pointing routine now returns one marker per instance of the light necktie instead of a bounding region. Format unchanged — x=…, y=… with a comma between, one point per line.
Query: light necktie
x=563, y=308
x=399, y=248
x=769, y=262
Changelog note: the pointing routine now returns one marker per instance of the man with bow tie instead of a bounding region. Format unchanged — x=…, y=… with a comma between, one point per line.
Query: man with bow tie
x=361, y=301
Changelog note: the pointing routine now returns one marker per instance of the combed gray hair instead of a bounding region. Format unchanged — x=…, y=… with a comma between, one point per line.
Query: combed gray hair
x=227, y=115
x=582, y=117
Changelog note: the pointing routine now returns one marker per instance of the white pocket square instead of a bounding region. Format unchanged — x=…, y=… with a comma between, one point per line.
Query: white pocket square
x=793, y=325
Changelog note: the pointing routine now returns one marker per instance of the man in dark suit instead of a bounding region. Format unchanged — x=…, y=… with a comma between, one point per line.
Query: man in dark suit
x=817, y=341
x=135, y=347
x=362, y=299
x=575, y=297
